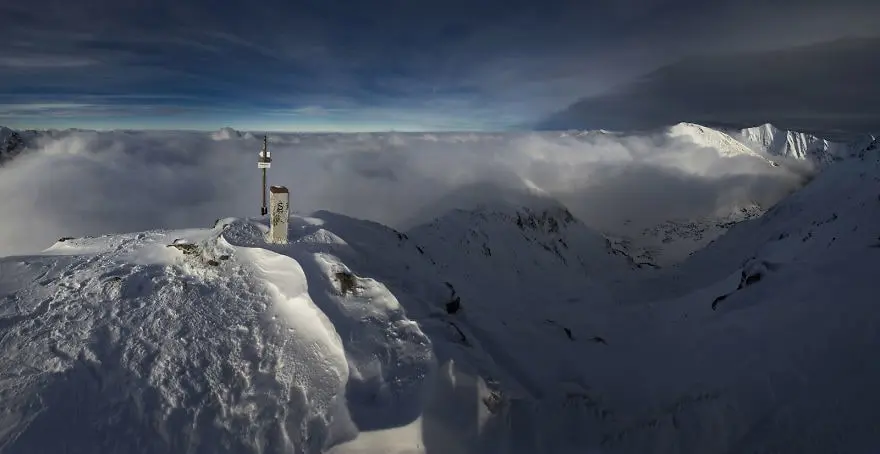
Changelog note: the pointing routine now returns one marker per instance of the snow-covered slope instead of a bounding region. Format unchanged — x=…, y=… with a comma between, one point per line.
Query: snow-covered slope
x=518, y=242
x=211, y=339
x=767, y=141
x=772, y=141
x=520, y=252
x=123, y=344
x=672, y=241
x=769, y=328
x=837, y=208
x=712, y=138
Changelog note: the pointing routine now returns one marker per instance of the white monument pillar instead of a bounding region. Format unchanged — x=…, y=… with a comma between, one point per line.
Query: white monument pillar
x=279, y=203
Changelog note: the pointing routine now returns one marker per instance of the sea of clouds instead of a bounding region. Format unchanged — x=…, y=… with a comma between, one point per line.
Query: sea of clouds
x=80, y=183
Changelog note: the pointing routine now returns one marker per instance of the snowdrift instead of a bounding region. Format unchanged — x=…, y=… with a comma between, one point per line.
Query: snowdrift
x=124, y=344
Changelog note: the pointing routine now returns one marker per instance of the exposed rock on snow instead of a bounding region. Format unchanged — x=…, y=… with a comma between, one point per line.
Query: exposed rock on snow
x=11, y=144
x=672, y=241
x=772, y=141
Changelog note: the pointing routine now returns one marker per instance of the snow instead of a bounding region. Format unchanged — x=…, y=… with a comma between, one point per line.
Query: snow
x=770, y=140
x=508, y=326
x=712, y=138
x=501, y=192
x=673, y=240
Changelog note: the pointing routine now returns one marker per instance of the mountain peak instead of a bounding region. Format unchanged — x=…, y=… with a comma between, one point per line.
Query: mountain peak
x=11, y=144
x=771, y=140
x=501, y=192
x=711, y=138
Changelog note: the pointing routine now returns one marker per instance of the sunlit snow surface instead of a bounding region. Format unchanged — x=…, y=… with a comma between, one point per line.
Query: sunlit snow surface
x=341, y=341
x=122, y=344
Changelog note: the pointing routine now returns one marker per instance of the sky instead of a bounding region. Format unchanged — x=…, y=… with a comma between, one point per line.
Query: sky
x=332, y=65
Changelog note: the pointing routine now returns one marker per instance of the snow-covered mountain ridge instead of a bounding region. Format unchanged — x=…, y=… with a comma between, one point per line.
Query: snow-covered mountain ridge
x=11, y=144
x=673, y=240
x=712, y=138
x=764, y=141
x=770, y=140
x=806, y=224
x=767, y=141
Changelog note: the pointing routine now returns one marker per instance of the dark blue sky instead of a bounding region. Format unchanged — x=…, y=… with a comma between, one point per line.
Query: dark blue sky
x=364, y=65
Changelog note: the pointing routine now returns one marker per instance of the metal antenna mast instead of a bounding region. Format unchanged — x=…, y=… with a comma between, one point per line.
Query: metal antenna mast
x=264, y=163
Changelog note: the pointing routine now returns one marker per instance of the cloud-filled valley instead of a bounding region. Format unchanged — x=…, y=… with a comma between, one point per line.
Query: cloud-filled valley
x=76, y=183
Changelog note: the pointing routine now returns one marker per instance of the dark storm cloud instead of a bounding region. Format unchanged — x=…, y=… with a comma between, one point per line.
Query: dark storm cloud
x=828, y=88
x=437, y=63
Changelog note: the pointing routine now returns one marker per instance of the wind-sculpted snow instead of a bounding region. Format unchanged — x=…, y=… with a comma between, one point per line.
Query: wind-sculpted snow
x=120, y=344
x=388, y=356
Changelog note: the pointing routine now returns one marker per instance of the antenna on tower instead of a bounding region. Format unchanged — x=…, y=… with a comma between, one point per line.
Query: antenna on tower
x=264, y=163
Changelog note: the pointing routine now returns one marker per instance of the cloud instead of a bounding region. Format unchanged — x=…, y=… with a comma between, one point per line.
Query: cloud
x=826, y=88
x=493, y=64
x=87, y=183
